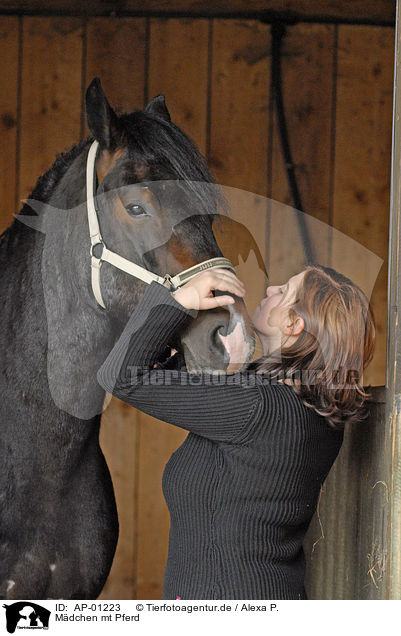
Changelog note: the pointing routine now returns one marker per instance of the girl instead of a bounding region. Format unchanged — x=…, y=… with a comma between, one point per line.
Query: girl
x=242, y=488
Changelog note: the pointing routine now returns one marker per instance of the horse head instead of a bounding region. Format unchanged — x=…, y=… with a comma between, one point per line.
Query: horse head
x=156, y=202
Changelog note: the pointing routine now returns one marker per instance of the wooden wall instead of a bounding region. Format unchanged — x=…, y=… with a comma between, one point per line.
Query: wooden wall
x=361, y=11
x=215, y=73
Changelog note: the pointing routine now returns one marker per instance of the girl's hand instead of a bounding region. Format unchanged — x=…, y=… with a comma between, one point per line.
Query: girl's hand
x=197, y=292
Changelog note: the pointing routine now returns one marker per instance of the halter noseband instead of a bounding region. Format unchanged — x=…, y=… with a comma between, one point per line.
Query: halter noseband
x=172, y=282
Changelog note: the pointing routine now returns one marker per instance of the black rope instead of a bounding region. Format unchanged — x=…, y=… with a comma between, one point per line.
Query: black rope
x=278, y=32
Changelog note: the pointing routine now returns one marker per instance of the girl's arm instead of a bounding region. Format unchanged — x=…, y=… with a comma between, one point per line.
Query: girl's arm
x=221, y=407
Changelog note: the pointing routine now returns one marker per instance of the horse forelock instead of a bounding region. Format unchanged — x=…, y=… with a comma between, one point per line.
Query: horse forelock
x=160, y=150
x=154, y=150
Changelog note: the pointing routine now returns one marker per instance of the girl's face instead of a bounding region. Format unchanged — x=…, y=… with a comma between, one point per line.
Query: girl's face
x=270, y=318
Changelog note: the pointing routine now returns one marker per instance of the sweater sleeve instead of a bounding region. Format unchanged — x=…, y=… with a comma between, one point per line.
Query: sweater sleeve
x=219, y=407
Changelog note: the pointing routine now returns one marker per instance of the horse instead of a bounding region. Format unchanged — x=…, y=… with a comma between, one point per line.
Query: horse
x=59, y=525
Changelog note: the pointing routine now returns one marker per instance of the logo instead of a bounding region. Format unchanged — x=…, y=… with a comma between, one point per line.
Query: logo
x=26, y=615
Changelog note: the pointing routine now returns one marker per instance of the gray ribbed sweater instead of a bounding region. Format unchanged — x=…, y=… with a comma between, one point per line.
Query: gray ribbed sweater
x=242, y=488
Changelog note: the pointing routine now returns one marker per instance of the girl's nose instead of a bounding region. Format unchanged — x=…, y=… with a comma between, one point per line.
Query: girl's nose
x=270, y=289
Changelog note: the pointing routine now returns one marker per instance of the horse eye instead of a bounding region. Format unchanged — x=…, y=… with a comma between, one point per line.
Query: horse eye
x=135, y=209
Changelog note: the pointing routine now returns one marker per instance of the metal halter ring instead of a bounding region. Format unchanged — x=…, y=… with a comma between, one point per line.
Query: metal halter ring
x=93, y=247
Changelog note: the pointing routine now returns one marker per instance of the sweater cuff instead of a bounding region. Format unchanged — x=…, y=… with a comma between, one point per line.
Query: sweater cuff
x=157, y=294
x=172, y=317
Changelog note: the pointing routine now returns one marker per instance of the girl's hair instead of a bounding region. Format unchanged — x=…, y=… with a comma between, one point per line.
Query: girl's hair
x=326, y=362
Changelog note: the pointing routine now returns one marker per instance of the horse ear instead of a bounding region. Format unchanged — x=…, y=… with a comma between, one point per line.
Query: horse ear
x=157, y=106
x=101, y=118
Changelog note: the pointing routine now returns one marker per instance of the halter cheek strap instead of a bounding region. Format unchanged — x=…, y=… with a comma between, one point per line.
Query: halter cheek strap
x=100, y=253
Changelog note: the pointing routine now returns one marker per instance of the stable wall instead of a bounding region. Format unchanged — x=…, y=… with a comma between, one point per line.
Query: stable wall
x=215, y=74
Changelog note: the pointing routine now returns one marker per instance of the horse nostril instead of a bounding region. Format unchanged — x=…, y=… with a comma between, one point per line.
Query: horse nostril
x=219, y=339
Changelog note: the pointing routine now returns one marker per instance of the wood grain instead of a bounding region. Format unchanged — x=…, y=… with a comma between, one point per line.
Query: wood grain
x=216, y=78
x=308, y=53
x=116, y=52
x=50, y=94
x=362, y=163
x=118, y=440
x=9, y=44
x=178, y=58
x=347, y=539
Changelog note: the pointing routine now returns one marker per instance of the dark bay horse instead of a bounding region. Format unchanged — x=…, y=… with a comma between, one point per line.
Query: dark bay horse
x=58, y=520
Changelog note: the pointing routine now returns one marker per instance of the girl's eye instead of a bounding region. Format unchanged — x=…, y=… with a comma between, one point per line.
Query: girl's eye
x=136, y=210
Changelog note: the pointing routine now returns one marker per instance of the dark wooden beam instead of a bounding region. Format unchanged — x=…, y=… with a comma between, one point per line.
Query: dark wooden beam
x=355, y=11
x=393, y=379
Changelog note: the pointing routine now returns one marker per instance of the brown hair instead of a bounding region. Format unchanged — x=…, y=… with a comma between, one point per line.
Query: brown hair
x=326, y=362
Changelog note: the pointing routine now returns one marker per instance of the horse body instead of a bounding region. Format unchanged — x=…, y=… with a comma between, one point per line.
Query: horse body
x=59, y=528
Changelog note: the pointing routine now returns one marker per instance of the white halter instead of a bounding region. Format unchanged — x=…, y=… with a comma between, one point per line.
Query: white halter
x=172, y=282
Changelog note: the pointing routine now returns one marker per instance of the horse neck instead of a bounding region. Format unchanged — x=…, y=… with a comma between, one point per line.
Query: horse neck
x=21, y=246
x=79, y=335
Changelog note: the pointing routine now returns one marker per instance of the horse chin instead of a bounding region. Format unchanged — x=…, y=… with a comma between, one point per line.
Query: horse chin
x=194, y=364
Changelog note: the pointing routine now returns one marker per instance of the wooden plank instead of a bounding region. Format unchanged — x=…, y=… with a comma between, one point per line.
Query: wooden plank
x=347, y=544
x=239, y=141
x=178, y=53
x=240, y=93
x=382, y=12
x=116, y=52
x=9, y=42
x=50, y=94
x=158, y=441
x=351, y=561
x=362, y=162
x=118, y=440
x=394, y=337
x=307, y=51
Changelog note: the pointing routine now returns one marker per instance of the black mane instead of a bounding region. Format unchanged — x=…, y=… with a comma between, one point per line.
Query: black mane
x=45, y=186
x=48, y=181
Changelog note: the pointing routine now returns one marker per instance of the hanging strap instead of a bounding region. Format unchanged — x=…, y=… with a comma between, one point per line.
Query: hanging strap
x=278, y=32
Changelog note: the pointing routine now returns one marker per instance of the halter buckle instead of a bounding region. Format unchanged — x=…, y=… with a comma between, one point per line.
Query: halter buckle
x=168, y=280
